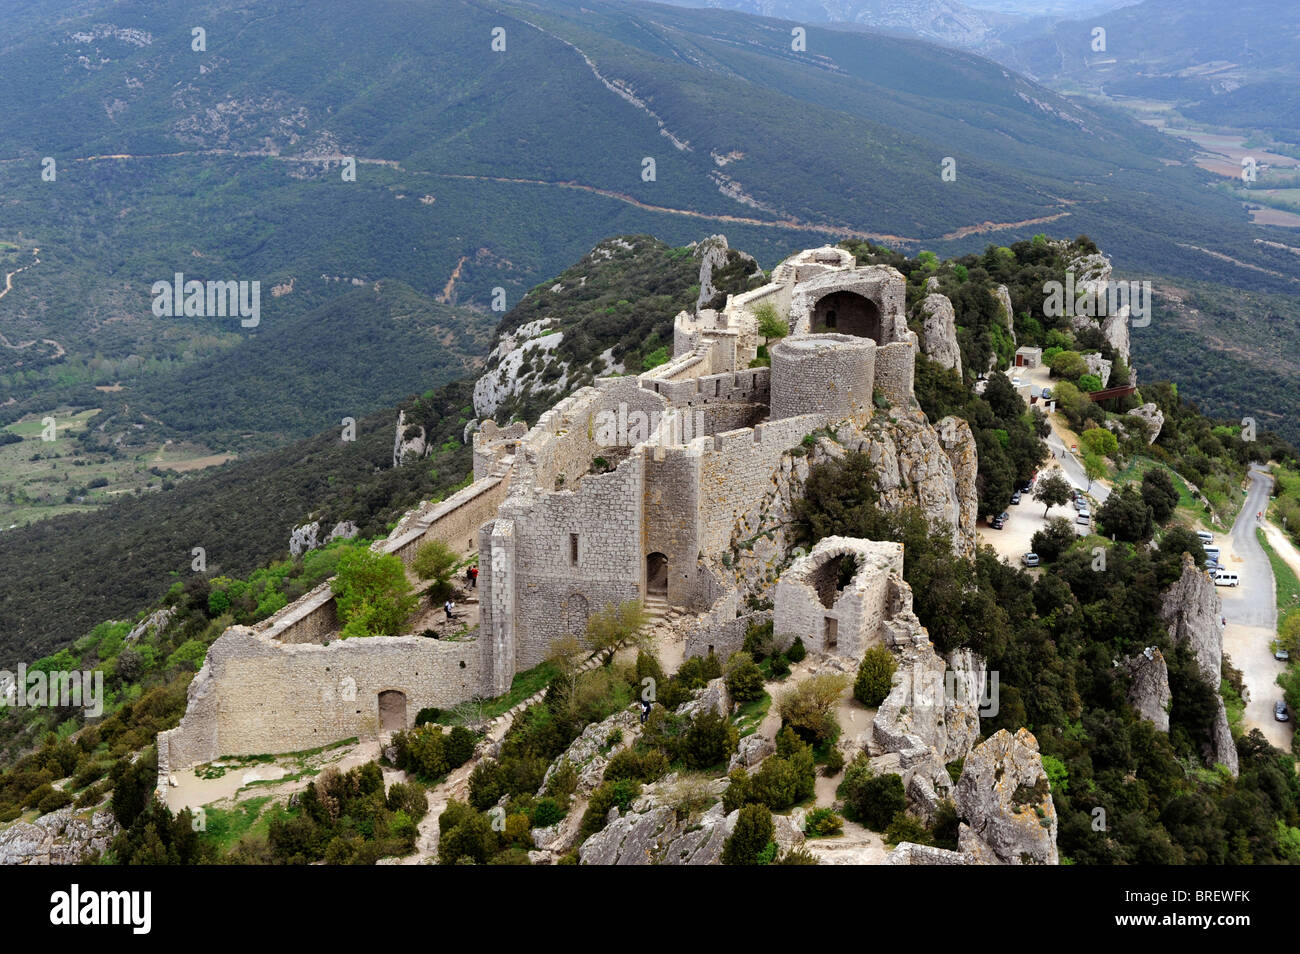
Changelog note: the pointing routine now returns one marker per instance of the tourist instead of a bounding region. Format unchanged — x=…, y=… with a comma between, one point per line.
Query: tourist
x=473, y=577
x=447, y=608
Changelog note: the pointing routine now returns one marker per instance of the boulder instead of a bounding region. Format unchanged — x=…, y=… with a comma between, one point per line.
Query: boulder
x=1099, y=366
x=1003, y=794
x=303, y=538
x=591, y=751
x=62, y=837
x=751, y=751
x=1153, y=417
x=713, y=696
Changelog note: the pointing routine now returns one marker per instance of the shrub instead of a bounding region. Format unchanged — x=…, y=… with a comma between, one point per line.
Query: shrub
x=758, y=639
x=563, y=782
x=750, y=837
x=905, y=827
x=486, y=784
x=427, y=714
x=606, y=796
x=807, y=708
x=642, y=766
x=408, y=797
x=434, y=560
x=744, y=678
x=709, y=740
x=875, y=799
x=546, y=812
x=770, y=324
x=53, y=801
x=780, y=666
x=824, y=821
x=875, y=676
x=797, y=651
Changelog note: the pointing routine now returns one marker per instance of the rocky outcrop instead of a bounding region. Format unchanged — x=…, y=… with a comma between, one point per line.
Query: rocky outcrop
x=591, y=751
x=1005, y=311
x=1148, y=691
x=713, y=696
x=529, y=342
x=307, y=536
x=156, y=622
x=408, y=442
x=917, y=465
x=909, y=854
x=62, y=837
x=1152, y=417
x=939, y=329
x=1099, y=366
x=751, y=751
x=1004, y=797
x=659, y=829
x=715, y=256
x=1191, y=610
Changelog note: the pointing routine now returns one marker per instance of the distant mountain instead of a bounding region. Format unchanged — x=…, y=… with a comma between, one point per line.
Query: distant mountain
x=479, y=172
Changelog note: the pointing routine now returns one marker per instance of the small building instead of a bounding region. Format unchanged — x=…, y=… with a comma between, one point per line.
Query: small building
x=1028, y=357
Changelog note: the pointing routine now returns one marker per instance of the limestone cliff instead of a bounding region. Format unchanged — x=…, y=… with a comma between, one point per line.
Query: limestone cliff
x=1148, y=691
x=1191, y=610
x=62, y=837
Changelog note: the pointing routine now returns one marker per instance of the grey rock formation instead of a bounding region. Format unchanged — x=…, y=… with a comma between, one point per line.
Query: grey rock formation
x=1154, y=419
x=713, y=696
x=62, y=837
x=591, y=751
x=751, y=750
x=1191, y=610
x=303, y=538
x=714, y=254
x=407, y=447
x=154, y=622
x=1149, y=686
x=1004, y=796
x=1099, y=366
x=939, y=326
x=1006, y=312
x=655, y=831
x=909, y=854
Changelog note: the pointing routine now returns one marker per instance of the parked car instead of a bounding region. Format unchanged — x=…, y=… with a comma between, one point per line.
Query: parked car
x=1282, y=655
x=1206, y=536
x=1016, y=382
x=1224, y=578
x=997, y=523
x=1030, y=559
x=1081, y=504
x=1279, y=711
x=1047, y=394
x=1015, y=498
x=1084, y=518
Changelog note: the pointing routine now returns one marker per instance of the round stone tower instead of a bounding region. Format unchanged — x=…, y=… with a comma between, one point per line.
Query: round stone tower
x=827, y=374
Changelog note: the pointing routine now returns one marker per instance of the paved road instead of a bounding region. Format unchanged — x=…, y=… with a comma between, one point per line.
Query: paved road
x=1256, y=602
x=1074, y=471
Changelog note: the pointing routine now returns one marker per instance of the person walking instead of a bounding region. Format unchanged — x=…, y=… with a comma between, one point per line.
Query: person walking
x=447, y=608
x=473, y=577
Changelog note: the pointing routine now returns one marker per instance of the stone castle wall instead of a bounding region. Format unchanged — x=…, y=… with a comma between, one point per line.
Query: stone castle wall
x=896, y=371
x=831, y=375
x=254, y=695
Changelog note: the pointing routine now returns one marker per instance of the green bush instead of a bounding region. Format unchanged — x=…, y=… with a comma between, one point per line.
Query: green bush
x=708, y=741
x=875, y=676
x=487, y=784
x=748, y=840
x=797, y=651
x=744, y=678
x=873, y=799
x=642, y=766
x=605, y=797
x=371, y=593
x=546, y=812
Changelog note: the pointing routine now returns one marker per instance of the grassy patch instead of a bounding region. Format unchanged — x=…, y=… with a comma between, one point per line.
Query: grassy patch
x=1288, y=586
x=526, y=684
x=752, y=714
x=224, y=827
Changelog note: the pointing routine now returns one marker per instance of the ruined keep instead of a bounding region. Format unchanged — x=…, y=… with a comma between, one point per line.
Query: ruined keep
x=627, y=489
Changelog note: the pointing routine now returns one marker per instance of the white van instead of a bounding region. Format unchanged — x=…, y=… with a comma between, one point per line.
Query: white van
x=1206, y=536
x=1223, y=578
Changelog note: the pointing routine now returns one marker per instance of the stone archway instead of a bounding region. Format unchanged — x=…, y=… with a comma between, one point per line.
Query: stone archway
x=392, y=710
x=848, y=313
x=656, y=574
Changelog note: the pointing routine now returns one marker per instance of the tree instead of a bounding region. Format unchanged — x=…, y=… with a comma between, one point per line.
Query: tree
x=371, y=593
x=1052, y=491
x=750, y=837
x=608, y=628
x=875, y=676
x=434, y=560
x=1069, y=365
x=770, y=324
x=1094, y=467
x=1053, y=540
x=1100, y=441
x=1125, y=516
x=1159, y=493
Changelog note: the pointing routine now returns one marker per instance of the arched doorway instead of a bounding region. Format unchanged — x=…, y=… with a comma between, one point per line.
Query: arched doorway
x=656, y=574
x=848, y=313
x=392, y=710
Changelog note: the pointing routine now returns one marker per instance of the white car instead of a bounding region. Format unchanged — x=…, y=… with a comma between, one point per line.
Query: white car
x=1016, y=382
x=1223, y=578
